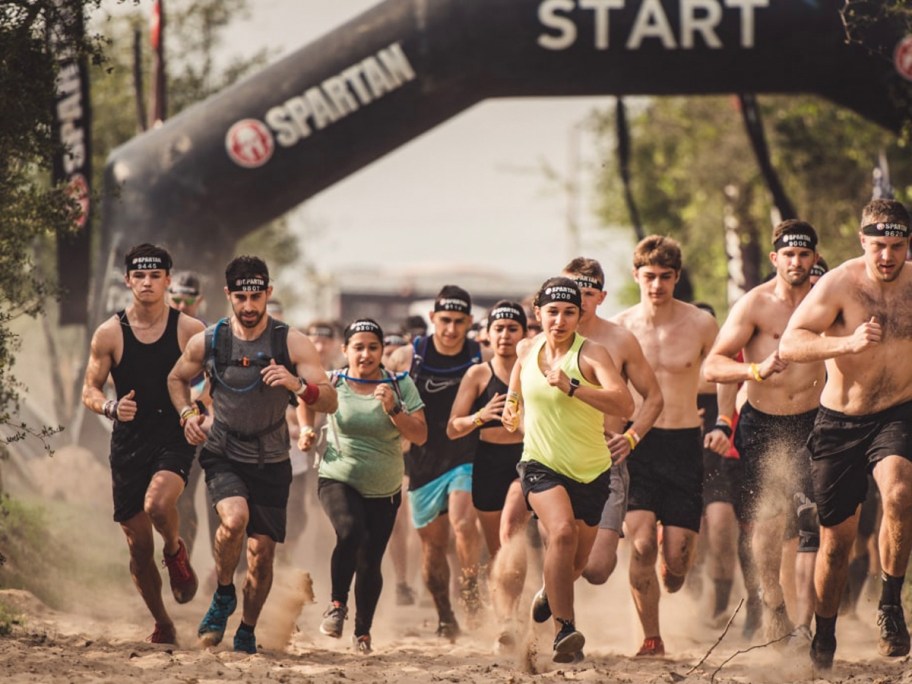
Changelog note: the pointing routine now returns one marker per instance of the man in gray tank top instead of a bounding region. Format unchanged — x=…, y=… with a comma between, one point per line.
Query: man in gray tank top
x=254, y=364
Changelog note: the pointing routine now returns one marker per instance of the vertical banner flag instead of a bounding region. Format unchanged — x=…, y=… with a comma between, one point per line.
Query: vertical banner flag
x=73, y=161
x=159, y=108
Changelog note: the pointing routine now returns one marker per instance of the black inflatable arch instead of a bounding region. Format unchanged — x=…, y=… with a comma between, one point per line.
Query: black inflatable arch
x=227, y=165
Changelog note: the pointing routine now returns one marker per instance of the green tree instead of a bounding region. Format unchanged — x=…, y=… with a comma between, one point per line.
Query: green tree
x=33, y=209
x=686, y=152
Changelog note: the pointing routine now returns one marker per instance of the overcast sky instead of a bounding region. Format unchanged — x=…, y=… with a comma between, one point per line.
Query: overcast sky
x=470, y=190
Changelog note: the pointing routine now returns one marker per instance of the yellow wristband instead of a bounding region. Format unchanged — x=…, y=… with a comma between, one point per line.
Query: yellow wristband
x=477, y=419
x=630, y=440
x=755, y=372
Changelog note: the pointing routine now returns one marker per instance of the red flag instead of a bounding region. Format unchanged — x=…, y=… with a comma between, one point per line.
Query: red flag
x=155, y=28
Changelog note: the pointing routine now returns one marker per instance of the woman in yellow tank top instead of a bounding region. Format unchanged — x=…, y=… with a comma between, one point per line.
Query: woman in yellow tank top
x=561, y=388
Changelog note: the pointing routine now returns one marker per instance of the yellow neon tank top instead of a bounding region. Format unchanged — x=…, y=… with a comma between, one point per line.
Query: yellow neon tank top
x=562, y=432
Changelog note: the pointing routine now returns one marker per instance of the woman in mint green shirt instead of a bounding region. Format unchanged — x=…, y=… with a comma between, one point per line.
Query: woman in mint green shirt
x=360, y=476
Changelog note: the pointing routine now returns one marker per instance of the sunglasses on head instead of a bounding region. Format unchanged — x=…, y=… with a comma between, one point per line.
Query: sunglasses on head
x=181, y=299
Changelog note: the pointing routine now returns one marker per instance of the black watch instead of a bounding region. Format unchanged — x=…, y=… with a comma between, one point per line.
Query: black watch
x=574, y=385
x=395, y=411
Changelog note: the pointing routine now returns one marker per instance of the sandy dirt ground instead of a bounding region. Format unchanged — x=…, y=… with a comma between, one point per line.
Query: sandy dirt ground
x=99, y=636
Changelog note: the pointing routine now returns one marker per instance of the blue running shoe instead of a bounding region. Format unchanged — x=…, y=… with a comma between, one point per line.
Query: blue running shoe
x=245, y=641
x=212, y=628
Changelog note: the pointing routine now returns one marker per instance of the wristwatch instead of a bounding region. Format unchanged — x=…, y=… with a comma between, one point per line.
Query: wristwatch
x=574, y=385
x=395, y=411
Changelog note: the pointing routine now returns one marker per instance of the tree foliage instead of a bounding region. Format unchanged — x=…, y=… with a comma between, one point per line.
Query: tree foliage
x=33, y=210
x=692, y=165
x=686, y=152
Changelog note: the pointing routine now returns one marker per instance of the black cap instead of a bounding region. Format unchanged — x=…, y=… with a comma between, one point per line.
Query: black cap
x=185, y=283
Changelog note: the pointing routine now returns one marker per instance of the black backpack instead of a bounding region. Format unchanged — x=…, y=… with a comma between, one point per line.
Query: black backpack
x=218, y=356
x=420, y=347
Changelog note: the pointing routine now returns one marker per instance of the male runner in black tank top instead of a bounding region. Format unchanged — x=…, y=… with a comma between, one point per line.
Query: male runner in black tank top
x=440, y=471
x=149, y=457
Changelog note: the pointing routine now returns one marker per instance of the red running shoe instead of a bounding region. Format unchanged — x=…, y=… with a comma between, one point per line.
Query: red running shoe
x=652, y=647
x=183, y=580
x=163, y=634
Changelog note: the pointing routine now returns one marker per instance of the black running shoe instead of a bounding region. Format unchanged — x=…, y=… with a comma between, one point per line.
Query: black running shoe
x=568, y=643
x=541, y=611
x=894, y=636
x=823, y=648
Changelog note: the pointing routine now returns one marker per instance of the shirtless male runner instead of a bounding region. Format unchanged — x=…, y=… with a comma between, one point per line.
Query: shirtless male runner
x=666, y=469
x=858, y=318
x=775, y=421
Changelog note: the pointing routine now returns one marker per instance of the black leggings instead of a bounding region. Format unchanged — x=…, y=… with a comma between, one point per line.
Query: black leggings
x=363, y=527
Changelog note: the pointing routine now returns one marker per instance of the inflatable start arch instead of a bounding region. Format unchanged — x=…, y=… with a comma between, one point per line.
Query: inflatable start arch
x=247, y=155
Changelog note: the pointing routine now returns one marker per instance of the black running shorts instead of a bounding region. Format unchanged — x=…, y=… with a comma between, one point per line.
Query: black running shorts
x=134, y=464
x=844, y=449
x=666, y=476
x=588, y=499
x=265, y=488
x=493, y=473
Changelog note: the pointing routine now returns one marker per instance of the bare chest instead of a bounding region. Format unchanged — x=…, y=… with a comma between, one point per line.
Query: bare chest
x=674, y=350
x=771, y=319
x=893, y=311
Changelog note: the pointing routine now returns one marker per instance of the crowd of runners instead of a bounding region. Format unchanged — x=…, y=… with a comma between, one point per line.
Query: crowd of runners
x=530, y=443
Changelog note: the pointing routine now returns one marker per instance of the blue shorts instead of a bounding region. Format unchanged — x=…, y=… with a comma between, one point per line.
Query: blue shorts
x=430, y=500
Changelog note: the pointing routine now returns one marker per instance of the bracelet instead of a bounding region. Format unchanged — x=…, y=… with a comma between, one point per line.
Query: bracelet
x=633, y=433
x=308, y=393
x=187, y=413
x=478, y=420
x=308, y=430
x=630, y=440
x=754, y=370
x=725, y=419
x=723, y=428
x=109, y=410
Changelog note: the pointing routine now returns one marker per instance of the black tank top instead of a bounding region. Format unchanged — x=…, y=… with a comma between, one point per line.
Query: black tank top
x=495, y=386
x=145, y=368
x=438, y=379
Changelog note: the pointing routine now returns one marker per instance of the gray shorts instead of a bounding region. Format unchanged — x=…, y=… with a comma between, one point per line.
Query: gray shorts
x=616, y=506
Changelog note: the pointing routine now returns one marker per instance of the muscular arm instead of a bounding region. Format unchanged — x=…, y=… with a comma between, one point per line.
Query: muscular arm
x=738, y=329
x=644, y=381
x=803, y=340
x=101, y=360
x=304, y=356
x=613, y=398
x=188, y=366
